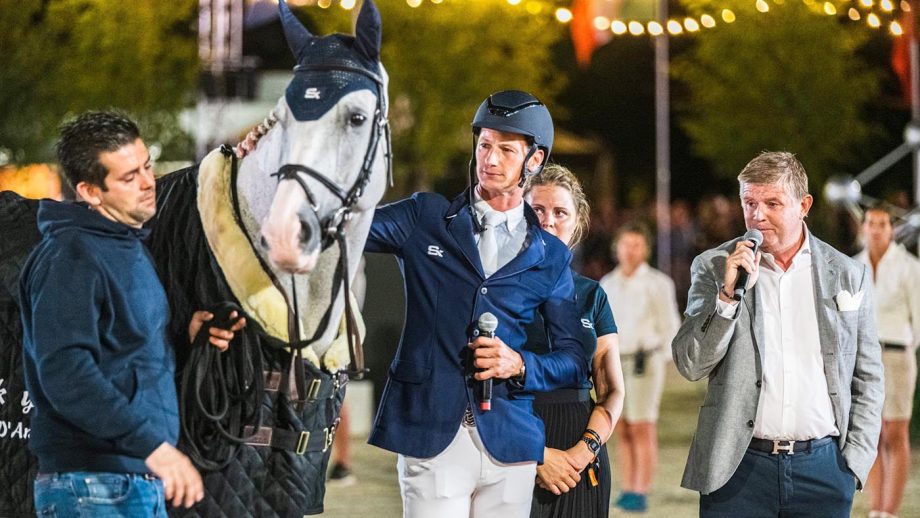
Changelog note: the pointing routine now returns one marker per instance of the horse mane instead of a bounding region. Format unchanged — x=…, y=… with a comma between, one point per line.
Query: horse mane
x=248, y=144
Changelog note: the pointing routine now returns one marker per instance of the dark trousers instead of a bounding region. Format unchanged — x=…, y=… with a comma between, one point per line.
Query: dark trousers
x=815, y=484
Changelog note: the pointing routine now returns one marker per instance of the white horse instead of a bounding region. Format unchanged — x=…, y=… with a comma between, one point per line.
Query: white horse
x=341, y=150
x=283, y=220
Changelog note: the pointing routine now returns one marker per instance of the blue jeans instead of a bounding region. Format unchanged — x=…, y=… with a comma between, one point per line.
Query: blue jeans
x=807, y=484
x=82, y=494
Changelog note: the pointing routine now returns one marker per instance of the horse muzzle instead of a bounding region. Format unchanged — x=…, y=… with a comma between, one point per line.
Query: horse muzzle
x=292, y=244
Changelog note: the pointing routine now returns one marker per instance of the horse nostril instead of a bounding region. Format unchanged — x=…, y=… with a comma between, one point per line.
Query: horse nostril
x=264, y=243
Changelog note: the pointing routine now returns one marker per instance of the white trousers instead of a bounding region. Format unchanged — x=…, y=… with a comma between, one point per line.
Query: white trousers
x=464, y=481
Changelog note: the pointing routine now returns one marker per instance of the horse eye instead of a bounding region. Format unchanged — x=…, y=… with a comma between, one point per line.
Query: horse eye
x=357, y=119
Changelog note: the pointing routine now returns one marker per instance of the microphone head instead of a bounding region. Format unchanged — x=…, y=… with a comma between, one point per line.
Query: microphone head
x=755, y=236
x=488, y=323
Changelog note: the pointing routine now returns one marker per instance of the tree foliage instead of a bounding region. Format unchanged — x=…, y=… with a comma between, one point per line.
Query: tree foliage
x=788, y=79
x=62, y=57
x=444, y=59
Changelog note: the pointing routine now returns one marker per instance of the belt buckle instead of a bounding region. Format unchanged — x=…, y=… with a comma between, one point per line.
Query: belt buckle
x=778, y=447
x=313, y=391
x=302, y=443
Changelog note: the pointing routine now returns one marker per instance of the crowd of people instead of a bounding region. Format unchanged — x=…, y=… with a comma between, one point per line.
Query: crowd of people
x=807, y=363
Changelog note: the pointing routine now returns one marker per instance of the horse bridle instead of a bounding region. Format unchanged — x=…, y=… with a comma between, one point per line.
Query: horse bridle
x=332, y=225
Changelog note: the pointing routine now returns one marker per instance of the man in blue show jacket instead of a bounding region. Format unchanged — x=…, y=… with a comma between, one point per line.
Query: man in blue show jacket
x=482, y=252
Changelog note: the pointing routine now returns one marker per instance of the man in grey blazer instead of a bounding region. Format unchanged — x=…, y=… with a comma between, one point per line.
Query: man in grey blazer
x=792, y=413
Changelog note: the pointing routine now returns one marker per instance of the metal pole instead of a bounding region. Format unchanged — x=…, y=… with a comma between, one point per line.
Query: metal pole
x=915, y=90
x=663, y=144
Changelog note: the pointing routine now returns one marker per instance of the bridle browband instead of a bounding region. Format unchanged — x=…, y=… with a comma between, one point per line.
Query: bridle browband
x=332, y=226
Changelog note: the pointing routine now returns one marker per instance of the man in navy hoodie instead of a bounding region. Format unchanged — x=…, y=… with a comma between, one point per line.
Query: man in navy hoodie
x=97, y=363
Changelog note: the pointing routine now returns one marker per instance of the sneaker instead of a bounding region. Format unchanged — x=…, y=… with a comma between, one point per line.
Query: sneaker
x=341, y=476
x=633, y=502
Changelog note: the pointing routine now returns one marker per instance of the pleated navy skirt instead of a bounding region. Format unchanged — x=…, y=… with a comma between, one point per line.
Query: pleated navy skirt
x=565, y=414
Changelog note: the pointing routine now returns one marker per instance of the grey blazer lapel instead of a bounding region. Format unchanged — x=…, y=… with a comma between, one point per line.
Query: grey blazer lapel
x=825, y=273
x=754, y=307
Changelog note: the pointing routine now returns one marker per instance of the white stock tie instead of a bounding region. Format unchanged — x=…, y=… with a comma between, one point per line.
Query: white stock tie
x=488, y=242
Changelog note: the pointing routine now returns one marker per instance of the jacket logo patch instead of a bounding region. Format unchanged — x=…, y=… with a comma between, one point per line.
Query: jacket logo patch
x=435, y=251
x=585, y=323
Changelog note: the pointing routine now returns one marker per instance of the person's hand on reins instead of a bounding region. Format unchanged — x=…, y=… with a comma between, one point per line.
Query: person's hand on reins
x=220, y=337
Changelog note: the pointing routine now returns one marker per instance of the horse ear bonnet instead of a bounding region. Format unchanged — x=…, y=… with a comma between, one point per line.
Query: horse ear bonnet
x=322, y=75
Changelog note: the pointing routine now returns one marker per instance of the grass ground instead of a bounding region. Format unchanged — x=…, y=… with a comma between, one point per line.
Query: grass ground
x=376, y=494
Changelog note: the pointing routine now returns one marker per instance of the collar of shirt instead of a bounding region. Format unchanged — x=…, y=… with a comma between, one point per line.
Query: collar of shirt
x=640, y=271
x=514, y=216
x=801, y=259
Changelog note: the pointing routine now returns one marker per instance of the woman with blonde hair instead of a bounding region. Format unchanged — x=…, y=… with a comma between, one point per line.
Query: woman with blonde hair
x=574, y=479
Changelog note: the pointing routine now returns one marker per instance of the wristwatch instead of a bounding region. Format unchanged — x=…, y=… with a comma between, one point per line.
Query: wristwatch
x=592, y=443
x=519, y=378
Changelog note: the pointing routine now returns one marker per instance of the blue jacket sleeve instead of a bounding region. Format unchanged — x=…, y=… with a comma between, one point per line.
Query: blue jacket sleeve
x=66, y=348
x=393, y=224
x=566, y=364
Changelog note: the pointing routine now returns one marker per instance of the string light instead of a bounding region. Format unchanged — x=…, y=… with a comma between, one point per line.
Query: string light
x=690, y=24
x=563, y=15
x=324, y=4
x=601, y=23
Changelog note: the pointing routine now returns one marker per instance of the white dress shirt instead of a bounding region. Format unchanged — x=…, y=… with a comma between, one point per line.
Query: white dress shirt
x=645, y=306
x=897, y=295
x=509, y=235
x=794, y=402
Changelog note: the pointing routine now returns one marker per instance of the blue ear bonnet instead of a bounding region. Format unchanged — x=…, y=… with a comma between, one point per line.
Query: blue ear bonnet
x=332, y=66
x=329, y=69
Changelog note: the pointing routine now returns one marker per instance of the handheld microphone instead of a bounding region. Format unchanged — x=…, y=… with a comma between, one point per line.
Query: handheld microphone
x=756, y=237
x=487, y=325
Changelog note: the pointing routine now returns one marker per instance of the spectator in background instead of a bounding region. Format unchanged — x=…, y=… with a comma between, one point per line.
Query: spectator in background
x=719, y=222
x=683, y=248
x=643, y=299
x=896, y=276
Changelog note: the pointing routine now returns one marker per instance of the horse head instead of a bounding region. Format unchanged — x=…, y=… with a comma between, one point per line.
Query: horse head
x=318, y=167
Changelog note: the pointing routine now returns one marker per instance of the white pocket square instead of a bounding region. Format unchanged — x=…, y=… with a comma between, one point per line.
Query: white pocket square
x=847, y=301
